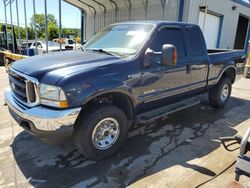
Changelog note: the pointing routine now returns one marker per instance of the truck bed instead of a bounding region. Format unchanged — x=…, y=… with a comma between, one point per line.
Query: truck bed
x=216, y=51
x=220, y=55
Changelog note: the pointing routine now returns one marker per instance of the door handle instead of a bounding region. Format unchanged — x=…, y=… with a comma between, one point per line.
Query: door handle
x=189, y=68
x=197, y=67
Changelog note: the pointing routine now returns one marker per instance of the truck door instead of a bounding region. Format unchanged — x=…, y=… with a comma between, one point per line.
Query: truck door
x=159, y=81
x=198, y=55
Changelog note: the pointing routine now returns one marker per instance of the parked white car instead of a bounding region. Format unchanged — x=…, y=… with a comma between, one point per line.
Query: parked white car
x=68, y=43
x=41, y=46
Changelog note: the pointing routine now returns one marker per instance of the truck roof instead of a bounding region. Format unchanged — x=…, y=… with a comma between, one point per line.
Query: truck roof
x=158, y=22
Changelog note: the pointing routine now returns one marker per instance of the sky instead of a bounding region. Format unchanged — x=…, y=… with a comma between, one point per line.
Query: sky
x=71, y=16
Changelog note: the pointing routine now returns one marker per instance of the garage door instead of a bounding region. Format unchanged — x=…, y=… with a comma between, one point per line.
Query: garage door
x=211, y=29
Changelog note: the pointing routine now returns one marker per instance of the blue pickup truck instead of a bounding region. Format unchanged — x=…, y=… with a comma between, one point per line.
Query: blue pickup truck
x=132, y=72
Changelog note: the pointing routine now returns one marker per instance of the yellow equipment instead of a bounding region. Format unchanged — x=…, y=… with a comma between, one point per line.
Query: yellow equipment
x=247, y=66
x=9, y=57
x=78, y=40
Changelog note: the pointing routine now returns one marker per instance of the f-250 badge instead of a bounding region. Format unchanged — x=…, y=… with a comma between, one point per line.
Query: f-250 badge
x=134, y=76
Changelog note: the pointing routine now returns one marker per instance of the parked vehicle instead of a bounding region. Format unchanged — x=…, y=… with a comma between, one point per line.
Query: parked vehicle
x=8, y=46
x=77, y=40
x=8, y=37
x=69, y=44
x=41, y=46
x=133, y=72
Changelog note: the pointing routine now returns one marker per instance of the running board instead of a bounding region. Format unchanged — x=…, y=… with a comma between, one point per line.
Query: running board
x=166, y=110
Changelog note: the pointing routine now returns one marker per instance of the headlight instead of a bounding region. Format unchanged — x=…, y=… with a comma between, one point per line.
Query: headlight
x=52, y=96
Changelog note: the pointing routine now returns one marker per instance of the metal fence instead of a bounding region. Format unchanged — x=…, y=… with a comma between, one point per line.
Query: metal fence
x=8, y=4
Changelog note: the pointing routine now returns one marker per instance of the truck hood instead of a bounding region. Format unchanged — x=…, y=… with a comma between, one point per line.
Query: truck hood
x=60, y=64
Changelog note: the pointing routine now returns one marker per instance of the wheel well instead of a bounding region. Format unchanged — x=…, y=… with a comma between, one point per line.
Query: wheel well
x=118, y=99
x=230, y=73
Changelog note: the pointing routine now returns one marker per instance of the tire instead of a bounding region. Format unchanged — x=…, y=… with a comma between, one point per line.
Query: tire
x=95, y=119
x=1, y=59
x=216, y=96
x=1, y=64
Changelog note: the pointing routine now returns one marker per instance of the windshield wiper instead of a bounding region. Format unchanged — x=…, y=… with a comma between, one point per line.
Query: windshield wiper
x=103, y=51
x=83, y=49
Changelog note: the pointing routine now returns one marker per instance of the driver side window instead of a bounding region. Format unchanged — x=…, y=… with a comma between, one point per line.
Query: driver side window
x=169, y=36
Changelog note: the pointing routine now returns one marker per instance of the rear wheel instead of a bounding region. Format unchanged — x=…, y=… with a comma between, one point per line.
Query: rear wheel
x=1, y=59
x=220, y=93
x=100, y=132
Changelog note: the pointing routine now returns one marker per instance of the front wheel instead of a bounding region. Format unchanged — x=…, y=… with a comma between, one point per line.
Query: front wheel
x=220, y=93
x=100, y=132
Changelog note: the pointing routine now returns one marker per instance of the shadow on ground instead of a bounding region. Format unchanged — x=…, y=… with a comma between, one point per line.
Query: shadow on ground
x=184, y=136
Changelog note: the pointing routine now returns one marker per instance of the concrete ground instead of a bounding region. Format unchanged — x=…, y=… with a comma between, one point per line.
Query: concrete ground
x=181, y=151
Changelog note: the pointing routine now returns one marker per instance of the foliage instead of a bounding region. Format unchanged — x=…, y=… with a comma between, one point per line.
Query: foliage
x=40, y=25
x=53, y=29
x=40, y=20
x=31, y=33
x=69, y=31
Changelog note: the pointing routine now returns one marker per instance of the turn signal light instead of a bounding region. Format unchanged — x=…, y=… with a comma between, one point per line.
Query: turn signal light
x=175, y=56
x=63, y=104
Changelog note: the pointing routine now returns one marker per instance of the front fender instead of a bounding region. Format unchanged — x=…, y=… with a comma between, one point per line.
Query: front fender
x=79, y=93
x=105, y=86
x=123, y=91
x=82, y=87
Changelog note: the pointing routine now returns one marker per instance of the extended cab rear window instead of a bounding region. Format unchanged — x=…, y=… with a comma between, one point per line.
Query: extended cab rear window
x=195, y=42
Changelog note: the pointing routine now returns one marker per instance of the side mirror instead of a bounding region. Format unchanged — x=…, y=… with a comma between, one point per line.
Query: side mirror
x=168, y=55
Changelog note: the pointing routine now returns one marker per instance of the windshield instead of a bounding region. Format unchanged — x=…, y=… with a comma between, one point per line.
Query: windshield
x=70, y=41
x=121, y=39
x=29, y=44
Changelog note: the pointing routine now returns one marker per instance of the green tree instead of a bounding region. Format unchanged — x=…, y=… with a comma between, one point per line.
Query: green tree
x=31, y=33
x=40, y=23
x=69, y=31
x=22, y=32
x=53, y=31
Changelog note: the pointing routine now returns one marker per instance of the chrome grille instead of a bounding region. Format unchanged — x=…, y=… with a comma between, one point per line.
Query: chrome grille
x=24, y=88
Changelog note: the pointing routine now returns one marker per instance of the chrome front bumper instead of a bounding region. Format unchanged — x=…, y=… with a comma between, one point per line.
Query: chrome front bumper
x=38, y=119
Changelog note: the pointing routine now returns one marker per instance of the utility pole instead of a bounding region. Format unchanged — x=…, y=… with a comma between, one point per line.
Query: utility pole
x=34, y=13
x=6, y=32
x=205, y=16
x=17, y=15
x=26, y=28
x=12, y=29
x=46, y=26
x=60, y=24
